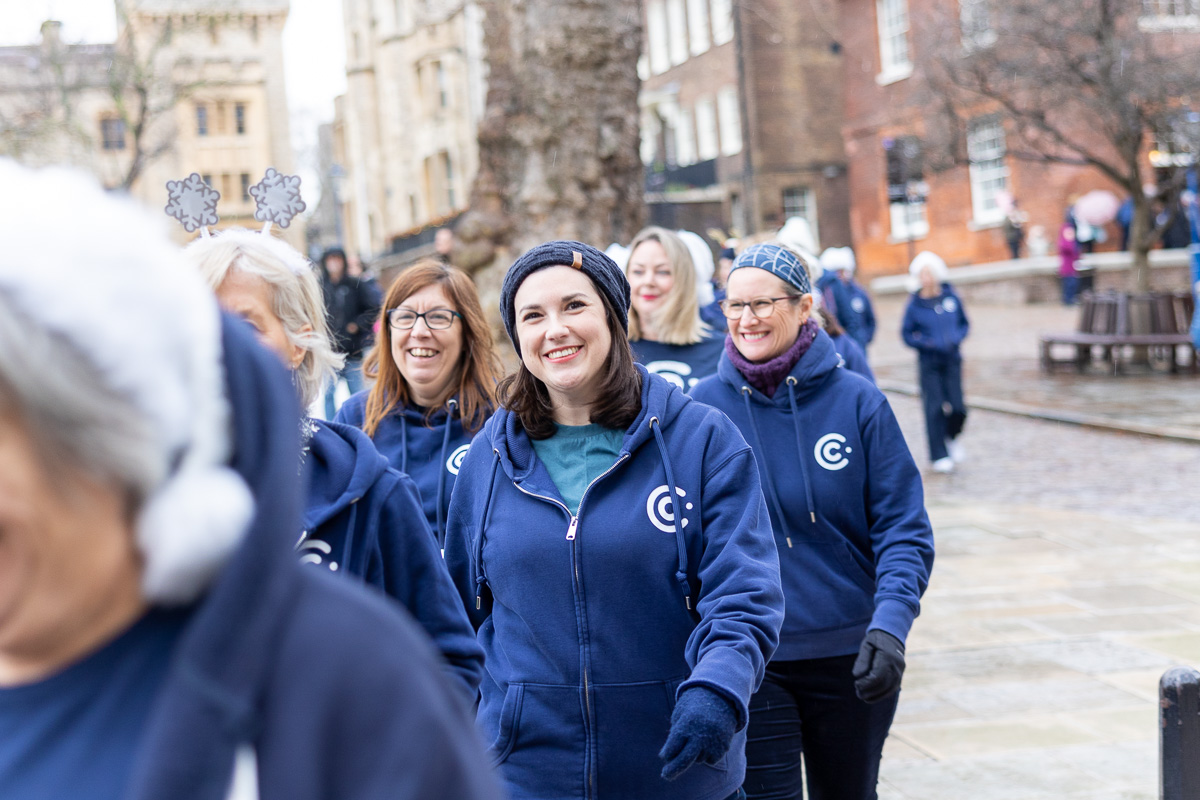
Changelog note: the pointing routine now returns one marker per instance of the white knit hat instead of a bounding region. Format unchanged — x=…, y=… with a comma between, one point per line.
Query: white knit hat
x=836, y=259
x=926, y=259
x=103, y=274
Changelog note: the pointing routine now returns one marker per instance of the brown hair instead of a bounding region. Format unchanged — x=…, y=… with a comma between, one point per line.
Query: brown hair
x=829, y=322
x=478, y=366
x=619, y=404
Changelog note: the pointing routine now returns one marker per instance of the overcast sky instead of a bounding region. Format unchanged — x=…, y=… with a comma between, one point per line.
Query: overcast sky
x=313, y=49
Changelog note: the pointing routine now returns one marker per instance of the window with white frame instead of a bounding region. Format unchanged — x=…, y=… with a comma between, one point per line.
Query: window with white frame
x=894, y=58
x=987, y=168
x=656, y=37
x=677, y=34
x=1170, y=14
x=685, y=138
x=906, y=188
x=800, y=201
x=697, y=13
x=729, y=120
x=706, y=129
x=975, y=20
x=722, y=21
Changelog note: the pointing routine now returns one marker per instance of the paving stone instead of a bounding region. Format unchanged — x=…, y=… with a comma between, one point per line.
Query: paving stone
x=1093, y=656
x=1030, y=774
x=1182, y=646
x=948, y=740
x=1084, y=624
x=1037, y=697
x=1121, y=597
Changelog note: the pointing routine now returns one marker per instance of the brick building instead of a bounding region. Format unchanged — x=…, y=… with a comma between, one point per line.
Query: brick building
x=898, y=203
x=741, y=116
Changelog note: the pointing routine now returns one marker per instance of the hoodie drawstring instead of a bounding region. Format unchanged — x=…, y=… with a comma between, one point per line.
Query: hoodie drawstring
x=403, y=444
x=481, y=582
x=761, y=457
x=681, y=574
x=812, y=509
x=348, y=546
x=441, y=490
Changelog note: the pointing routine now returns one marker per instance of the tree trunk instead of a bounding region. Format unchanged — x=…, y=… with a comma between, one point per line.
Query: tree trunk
x=1141, y=232
x=559, y=141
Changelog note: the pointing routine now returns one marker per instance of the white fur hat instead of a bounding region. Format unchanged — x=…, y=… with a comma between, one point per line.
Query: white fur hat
x=836, y=259
x=702, y=261
x=926, y=259
x=797, y=235
x=103, y=274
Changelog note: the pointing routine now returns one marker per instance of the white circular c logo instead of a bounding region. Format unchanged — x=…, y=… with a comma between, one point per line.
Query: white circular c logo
x=858, y=305
x=674, y=371
x=830, y=453
x=950, y=305
x=454, y=462
x=661, y=511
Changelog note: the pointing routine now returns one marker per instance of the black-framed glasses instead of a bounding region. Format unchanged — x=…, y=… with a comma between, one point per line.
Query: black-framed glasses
x=761, y=307
x=436, y=319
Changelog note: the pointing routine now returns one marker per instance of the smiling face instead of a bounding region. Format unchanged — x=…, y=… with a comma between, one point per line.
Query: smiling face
x=250, y=298
x=650, y=279
x=69, y=568
x=562, y=327
x=763, y=339
x=428, y=359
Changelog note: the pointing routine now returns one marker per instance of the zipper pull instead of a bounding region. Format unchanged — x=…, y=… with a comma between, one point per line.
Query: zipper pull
x=571, y=529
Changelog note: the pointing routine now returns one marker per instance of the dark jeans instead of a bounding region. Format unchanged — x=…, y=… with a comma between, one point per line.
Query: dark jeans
x=1070, y=288
x=842, y=736
x=352, y=372
x=942, y=398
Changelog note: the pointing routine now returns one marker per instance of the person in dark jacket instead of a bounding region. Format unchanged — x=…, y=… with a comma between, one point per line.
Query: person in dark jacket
x=844, y=298
x=665, y=328
x=848, y=514
x=611, y=543
x=352, y=303
x=852, y=355
x=156, y=641
x=935, y=325
x=361, y=517
x=435, y=369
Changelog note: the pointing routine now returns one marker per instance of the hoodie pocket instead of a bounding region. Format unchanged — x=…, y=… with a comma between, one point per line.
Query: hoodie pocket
x=540, y=746
x=510, y=712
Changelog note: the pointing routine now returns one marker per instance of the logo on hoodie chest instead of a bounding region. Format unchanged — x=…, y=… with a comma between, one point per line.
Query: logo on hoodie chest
x=661, y=510
x=950, y=305
x=454, y=462
x=315, y=551
x=831, y=452
x=858, y=305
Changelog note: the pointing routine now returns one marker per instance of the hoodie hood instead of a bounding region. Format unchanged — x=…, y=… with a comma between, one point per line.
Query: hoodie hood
x=810, y=372
x=343, y=464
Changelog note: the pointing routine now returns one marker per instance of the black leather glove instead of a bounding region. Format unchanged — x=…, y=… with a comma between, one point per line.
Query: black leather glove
x=879, y=666
x=702, y=727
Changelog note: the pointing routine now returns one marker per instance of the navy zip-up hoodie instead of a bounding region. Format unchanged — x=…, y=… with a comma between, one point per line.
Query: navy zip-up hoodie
x=428, y=451
x=363, y=518
x=329, y=690
x=846, y=501
x=936, y=326
x=594, y=624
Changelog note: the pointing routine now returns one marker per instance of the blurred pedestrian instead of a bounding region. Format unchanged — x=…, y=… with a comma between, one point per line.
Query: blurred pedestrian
x=1014, y=229
x=665, y=329
x=1068, y=263
x=855, y=544
x=852, y=355
x=935, y=325
x=844, y=297
x=156, y=641
x=611, y=542
x=351, y=301
x=1125, y=220
x=361, y=518
x=443, y=245
x=435, y=371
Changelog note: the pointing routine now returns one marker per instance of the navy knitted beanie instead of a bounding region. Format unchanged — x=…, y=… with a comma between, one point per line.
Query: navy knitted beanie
x=604, y=272
x=779, y=261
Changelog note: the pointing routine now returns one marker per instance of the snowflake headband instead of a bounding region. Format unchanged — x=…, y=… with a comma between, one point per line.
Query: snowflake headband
x=194, y=203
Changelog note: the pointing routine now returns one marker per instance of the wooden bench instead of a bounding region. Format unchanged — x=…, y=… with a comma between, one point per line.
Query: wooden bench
x=1105, y=323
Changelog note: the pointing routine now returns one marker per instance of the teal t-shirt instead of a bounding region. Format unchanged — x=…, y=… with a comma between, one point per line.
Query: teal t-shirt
x=576, y=455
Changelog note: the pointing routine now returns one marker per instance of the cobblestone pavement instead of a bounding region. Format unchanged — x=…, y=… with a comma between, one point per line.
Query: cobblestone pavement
x=1067, y=580
x=1001, y=370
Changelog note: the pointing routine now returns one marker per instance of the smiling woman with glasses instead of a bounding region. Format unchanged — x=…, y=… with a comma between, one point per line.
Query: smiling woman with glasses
x=848, y=514
x=435, y=380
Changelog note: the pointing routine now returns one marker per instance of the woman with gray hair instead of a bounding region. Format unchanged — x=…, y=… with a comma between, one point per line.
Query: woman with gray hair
x=361, y=517
x=155, y=639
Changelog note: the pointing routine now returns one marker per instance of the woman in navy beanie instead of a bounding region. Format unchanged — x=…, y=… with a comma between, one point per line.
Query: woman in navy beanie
x=610, y=541
x=848, y=513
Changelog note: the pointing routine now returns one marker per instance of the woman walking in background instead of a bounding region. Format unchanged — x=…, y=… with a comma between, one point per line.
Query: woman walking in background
x=435, y=370
x=361, y=517
x=935, y=325
x=610, y=541
x=665, y=329
x=1069, y=253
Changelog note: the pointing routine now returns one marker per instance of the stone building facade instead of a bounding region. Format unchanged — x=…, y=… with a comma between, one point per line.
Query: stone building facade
x=404, y=132
x=213, y=74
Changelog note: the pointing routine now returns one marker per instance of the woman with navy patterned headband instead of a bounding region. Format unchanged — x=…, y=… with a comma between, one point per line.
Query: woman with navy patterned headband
x=848, y=513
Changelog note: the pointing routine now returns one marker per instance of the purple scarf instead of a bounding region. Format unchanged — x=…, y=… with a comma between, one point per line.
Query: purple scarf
x=767, y=375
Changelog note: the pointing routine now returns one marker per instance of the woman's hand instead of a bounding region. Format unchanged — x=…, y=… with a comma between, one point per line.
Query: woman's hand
x=702, y=726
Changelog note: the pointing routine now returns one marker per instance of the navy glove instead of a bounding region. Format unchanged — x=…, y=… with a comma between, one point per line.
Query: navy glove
x=702, y=727
x=879, y=666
